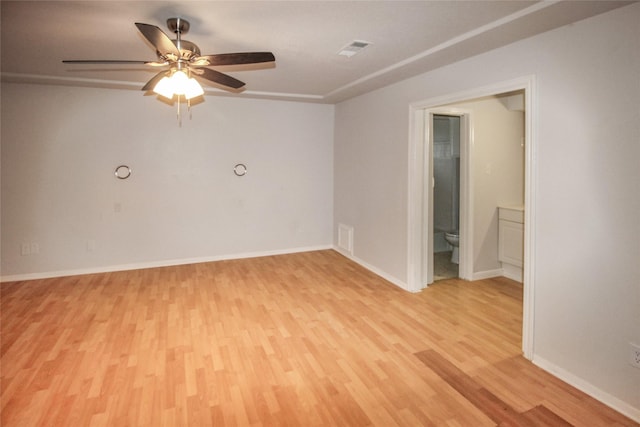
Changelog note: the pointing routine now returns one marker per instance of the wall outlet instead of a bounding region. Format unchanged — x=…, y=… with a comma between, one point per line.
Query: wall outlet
x=32, y=248
x=634, y=355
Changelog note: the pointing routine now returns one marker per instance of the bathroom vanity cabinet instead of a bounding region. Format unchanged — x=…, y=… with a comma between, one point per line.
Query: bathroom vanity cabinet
x=511, y=241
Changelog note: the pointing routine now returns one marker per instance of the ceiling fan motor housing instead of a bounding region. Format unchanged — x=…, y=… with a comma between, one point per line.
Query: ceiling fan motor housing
x=181, y=26
x=188, y=49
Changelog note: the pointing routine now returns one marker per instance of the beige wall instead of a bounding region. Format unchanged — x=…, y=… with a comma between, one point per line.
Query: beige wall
x=60, y=146
x=497, y=173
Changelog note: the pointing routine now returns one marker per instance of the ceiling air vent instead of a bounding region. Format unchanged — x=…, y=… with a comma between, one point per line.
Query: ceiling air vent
x=353, y=48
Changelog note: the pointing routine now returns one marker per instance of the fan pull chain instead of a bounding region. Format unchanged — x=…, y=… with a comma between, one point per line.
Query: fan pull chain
x=189, y=99
x=179, y=116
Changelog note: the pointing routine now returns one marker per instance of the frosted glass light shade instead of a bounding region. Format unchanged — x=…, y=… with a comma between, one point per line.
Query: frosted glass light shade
x=192, y=89
x=178, y=84
x=179, y=80
x=164, y=88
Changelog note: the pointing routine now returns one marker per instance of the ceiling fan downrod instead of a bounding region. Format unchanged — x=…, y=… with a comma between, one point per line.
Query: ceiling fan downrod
x=179, y=26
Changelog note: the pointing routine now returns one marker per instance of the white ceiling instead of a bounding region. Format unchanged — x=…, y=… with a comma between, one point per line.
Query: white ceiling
x=408, y=38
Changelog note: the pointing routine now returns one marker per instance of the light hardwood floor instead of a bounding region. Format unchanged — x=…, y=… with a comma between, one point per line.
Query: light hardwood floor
x=307, y=339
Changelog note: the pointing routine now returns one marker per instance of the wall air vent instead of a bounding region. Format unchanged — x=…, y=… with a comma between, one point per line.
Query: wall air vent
x=353, y=48
x=345, y=238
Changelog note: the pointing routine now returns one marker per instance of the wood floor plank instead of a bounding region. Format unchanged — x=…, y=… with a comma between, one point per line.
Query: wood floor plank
x=308, y=339
x=488, y=403
x=541, y=415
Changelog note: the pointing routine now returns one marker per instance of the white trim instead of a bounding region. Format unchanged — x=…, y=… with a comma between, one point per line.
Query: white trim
x=154, y=264
x=428, y=178
x=283, y=95
x=588, y=388
x=512, y=272
x=399, y=283
x=416, y=193
x=121, y=84
x=466, y=194
x=487, y=274
x=67, y=81
x=530, y=192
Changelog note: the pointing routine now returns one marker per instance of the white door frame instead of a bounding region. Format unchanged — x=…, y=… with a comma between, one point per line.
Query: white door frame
x=418, y=232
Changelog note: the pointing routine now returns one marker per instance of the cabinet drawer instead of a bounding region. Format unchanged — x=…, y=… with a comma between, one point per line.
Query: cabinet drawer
x=515, y=215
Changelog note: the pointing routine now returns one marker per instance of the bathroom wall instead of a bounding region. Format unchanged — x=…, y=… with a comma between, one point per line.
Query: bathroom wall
x=497, y=175
x=182, y=203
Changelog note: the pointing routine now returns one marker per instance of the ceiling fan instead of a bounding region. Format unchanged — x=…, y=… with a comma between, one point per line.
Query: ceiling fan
x=185, y=62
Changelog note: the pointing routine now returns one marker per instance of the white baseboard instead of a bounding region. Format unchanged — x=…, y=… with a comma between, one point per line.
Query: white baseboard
x=512, y=272
x=488, y=274
x=399, y=283
x=588, y=388
x=154, y=264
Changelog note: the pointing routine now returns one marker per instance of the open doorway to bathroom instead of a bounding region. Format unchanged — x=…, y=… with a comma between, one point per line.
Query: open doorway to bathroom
x=475, y=152
x=446, y=196
x=478, y=256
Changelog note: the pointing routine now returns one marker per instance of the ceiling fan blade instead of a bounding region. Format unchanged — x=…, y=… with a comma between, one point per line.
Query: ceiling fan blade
x=218, y=77
x=159, y=40
x=233, y=58
x=154, y=80
x=102, y=61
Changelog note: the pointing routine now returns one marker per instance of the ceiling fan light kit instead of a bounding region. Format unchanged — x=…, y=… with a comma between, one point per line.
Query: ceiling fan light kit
x=185, y=62
x=178, y=84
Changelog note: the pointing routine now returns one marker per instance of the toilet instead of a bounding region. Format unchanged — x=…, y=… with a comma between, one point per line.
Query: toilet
x=453, y=238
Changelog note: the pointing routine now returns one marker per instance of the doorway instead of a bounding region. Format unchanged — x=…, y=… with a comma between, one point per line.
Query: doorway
x=420, y=223
x=445, y=157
